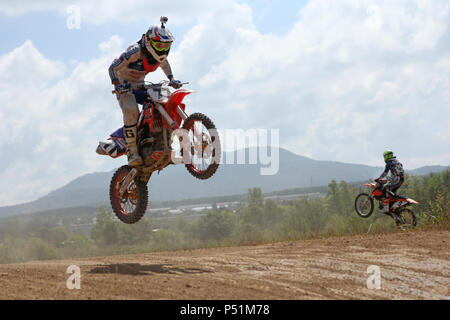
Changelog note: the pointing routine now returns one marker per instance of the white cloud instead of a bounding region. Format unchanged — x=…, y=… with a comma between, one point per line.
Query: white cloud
x=27, y=55
x=350, y=79
x=49, y=132
x=114, y=44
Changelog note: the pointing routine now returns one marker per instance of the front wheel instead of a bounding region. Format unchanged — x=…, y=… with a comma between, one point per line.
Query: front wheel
x=132, y=205
x=203, y=148
x=364, y=205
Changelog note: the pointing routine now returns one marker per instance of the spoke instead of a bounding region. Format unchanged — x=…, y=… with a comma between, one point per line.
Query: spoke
x=127, y=204
x=198, y=133
x=363, y=204
x=199, y=136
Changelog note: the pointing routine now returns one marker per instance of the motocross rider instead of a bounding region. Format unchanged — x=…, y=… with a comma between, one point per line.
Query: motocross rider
x=145, y=56
x=395, y=181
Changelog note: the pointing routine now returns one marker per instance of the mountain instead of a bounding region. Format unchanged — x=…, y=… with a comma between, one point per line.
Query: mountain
x=175, y=183
x=426, y=170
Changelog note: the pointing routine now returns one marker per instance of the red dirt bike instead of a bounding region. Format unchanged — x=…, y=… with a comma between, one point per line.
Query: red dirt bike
x=163, y=123
x=364, y=204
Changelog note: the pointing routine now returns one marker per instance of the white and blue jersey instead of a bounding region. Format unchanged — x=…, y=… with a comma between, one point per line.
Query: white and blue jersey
x=134, y=64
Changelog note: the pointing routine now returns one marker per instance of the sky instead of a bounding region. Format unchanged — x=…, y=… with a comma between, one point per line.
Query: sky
x=342, y=80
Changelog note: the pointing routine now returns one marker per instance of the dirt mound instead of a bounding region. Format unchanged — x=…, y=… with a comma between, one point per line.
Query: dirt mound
x=412, y=265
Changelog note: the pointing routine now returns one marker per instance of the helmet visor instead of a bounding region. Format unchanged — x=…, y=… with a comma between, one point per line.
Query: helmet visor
x=160, y=46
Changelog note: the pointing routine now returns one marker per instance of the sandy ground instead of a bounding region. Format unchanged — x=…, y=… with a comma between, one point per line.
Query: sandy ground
x=413, y=265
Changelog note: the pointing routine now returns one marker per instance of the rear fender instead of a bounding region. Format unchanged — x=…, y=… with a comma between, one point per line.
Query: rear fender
x=412, y=201
x=403, y=202
x=115, y=146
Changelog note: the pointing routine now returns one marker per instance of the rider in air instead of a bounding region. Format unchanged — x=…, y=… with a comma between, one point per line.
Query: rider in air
x=145, y=56
x=395, y=181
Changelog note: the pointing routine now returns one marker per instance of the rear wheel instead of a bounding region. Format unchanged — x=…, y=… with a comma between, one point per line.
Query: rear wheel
x=406, y=218
x=132, y=205
x=364, y=205
x=204, y=151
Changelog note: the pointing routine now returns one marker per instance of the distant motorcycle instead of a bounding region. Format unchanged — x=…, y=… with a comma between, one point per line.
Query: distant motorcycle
x=162, y=122
x=364, y=204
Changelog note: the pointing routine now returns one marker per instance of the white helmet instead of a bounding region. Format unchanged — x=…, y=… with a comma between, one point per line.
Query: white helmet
x=158, y=41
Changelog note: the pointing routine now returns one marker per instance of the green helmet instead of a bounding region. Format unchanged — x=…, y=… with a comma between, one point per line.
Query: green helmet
x=388, y=154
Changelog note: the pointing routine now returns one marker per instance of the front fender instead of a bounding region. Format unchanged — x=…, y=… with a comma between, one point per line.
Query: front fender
x=174, y=101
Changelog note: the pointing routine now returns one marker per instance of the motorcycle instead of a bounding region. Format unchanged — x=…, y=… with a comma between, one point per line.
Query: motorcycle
x=364, y=204
x=163, y=123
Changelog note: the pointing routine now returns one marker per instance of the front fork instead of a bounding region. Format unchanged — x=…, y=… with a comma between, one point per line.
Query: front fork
x=166, y=116
x=126, y=181
x=134, y=173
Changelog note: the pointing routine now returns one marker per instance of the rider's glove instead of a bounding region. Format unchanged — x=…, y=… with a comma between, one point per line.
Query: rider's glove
x=120, y=88
x=176, y=84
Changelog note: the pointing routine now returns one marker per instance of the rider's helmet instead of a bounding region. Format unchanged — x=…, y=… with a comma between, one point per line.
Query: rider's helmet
x=388, y=154
x=158, y=40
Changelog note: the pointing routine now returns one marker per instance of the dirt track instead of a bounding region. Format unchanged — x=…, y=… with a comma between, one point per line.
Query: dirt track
x=413, y=265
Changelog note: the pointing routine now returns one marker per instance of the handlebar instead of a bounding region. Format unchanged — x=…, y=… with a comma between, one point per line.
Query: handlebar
x=128, y=87
x=381, y=182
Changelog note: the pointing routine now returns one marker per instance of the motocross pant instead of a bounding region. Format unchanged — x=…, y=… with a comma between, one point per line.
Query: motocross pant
x=393, y=185
x=130, y=109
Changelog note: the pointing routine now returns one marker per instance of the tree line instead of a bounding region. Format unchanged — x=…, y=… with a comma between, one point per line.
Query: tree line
x=256, y=221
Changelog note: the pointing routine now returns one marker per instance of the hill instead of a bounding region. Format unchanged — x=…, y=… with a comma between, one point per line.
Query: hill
x=175, y=183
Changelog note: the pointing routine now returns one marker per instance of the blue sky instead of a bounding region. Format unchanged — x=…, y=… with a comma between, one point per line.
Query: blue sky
x=50, y=36
x=342, y=80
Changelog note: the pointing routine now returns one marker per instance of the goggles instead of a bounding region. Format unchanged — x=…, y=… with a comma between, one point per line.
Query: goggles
x=388, y=156
x=159, y=45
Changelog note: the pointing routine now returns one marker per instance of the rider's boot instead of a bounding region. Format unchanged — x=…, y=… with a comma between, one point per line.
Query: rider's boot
x=134, y=159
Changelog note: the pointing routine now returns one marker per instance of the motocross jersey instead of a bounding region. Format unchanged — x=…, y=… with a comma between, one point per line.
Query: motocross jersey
x=396, y=169
x=134, y=64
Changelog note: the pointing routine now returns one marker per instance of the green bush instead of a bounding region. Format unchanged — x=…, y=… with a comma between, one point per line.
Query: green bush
x=216, y=225
x=38, y=249
x=165, y=239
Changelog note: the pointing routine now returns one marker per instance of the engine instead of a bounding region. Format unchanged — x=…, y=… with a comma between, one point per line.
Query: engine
x=149, y=143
